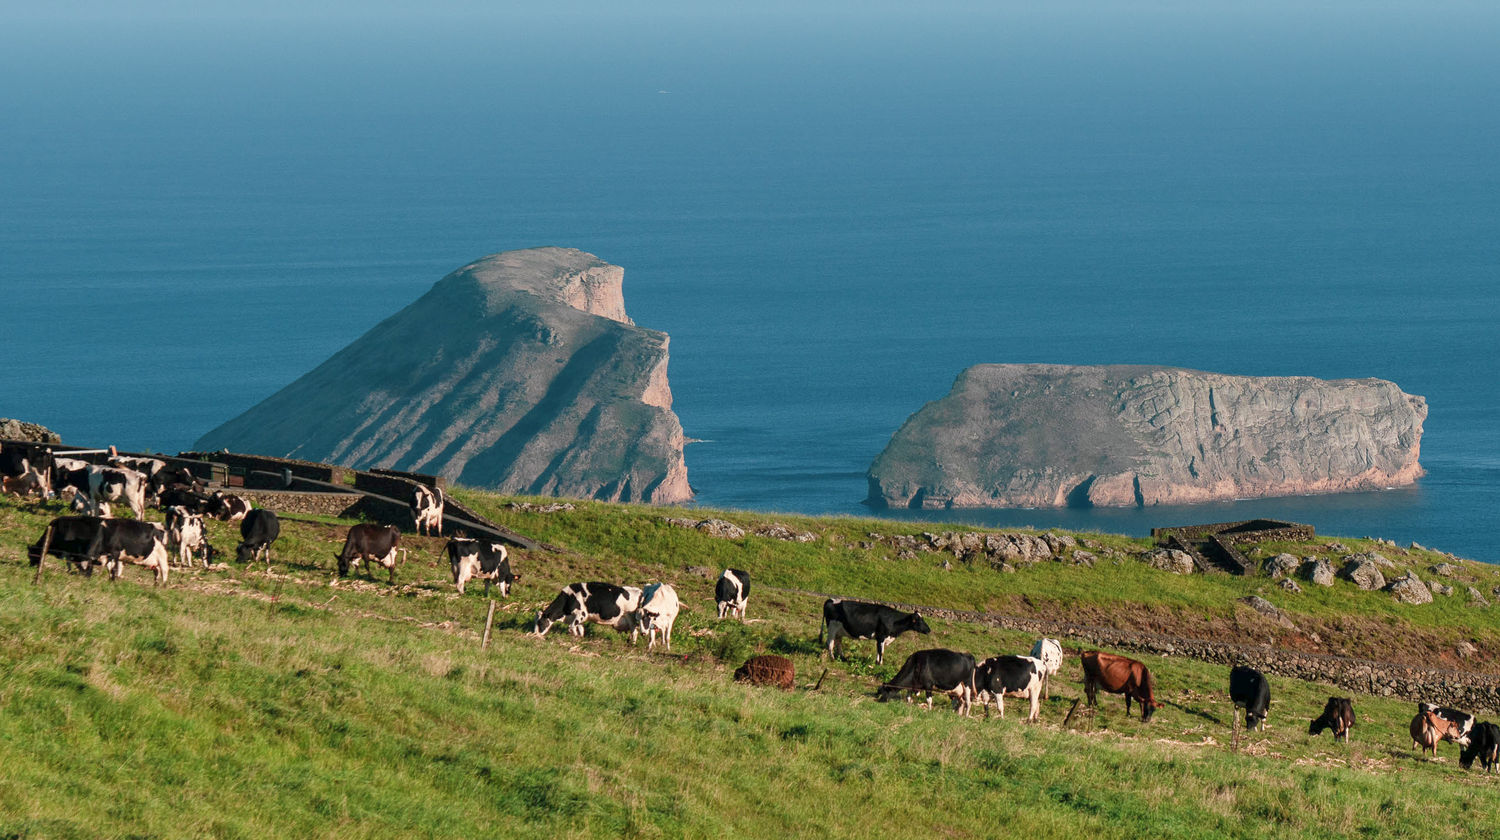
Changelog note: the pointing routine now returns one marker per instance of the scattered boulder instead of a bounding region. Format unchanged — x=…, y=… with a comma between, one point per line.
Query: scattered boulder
x=778, y=531
x=1374, y=557
x=1318, y=570
x=1085, y=558
x=1281, y=565
x=1465, y=649
x=1268, y=609
x=1017, y=548
x=1058, y=542
x=770, y=670
x=1172, y=560
x=1445, y=569
x=1409, y=589
x=1416, y=546
x=1477, y=599
x=529, y=507
x=1362, y=571
x=1442, y=589
x=702, y=571
x=31, y=432
x=1337, y=548
x=713, y=527
x=1290, y=585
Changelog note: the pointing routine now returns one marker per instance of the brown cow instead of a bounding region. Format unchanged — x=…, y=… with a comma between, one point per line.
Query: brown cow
x=1338, y=715
x=1426, y=732
x=1119, y=675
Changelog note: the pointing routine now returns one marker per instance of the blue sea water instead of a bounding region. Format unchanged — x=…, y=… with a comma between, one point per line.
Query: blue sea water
x=832, y=213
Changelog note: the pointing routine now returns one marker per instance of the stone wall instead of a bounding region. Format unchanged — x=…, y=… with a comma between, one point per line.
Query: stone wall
x=241, y=464
x=420, y=478
x=290, y=501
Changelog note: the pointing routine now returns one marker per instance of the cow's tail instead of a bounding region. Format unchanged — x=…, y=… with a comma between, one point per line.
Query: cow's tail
x=1150, y=686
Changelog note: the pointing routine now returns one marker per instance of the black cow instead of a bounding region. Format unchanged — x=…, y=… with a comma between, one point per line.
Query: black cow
x=944, y=671
x=601, y=603
x=1484, y=744
x=1461, y=722
x=19, y=460
x=371, y=543
x=475, y=560
x=185, y=496
x=1016, y=676
x=1249, y=690
x=1338, y=715
x=732, y=593
x=860, y=620
x=258, y=530
x=87, y=541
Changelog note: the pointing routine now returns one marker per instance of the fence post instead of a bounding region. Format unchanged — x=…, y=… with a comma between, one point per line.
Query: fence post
x=41, y=559
x=488, y=620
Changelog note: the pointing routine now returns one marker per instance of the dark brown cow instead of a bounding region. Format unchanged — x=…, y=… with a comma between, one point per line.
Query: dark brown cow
x=1338, y=715
x=1119, y=675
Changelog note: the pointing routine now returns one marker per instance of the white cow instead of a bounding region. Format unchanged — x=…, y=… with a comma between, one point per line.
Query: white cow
x=185, y=535
x=658, y=612
x=1010, y=676
x=580, y=603
x=1050, y=653
x=427, y=509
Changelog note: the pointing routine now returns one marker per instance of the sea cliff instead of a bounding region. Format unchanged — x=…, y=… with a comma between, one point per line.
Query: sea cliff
x=519, y=372
x=1039, y=435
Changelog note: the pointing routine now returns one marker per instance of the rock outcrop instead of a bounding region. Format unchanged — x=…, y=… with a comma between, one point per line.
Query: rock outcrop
x=520, y=373
x=1061, y=435
x=30, y=432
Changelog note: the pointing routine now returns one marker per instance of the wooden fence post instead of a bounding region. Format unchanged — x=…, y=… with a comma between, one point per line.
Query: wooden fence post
x=488, y=620
x=1236, y=713
x=41, y=559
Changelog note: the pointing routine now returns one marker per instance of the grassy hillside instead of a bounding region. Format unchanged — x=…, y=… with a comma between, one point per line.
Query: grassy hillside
x=240, y=703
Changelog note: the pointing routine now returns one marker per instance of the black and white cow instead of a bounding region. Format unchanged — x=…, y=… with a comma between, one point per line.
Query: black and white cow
x=1462, y=723
x=937, y=670
x=114, y=484
x=656, y=614
x=185, y=535
x=601, y=603
x=258, y=530
x=1484, y=744
x=70, y=475
x=427, y=509
x=87, y=541
x=860, y=620
x=29, y=468
x=476, y=560
x=371, y=543
x=149, y=468
x=227, y=508
x=732, y=593
x=1050, y=653
x=1010, y=676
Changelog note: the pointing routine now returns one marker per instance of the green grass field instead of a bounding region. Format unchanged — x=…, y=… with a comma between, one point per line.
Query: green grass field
x=237, y=703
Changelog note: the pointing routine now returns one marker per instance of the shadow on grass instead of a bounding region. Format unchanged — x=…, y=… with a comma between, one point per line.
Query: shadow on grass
x=1199, y=713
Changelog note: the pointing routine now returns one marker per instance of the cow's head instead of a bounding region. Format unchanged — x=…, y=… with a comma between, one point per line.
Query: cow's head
x=244, y=553
x=541, y=625
x=918, y=624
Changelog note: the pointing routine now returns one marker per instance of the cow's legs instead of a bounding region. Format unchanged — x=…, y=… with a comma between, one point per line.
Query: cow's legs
x=880, y=650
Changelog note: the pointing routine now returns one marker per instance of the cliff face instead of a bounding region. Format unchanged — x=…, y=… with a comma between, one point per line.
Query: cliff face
x=520, y=372
x=1060, y=435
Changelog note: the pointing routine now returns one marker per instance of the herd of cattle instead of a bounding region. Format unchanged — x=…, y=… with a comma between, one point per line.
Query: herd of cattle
x=93, y=537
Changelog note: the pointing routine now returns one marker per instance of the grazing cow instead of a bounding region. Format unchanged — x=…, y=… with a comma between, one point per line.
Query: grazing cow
x=1338, y=715
x=859, y=620
x=112, y=484
x=601, y=603
x=174, y=477
x=70, y=474
x=185, y=536
x=475, y=560
x=427, y=509
x=81, y=504
x=1050, y=652
x=185, y=496
x=258, y=530
x=657, y=613
x=1484, y=744
x=1248, y=689
x=226, y=508
x=149, y=468
x=371, y=543
x=1119, y=675
x=1453, y=725
x=19, y=461
x=1424, y=732
x=732, y=593
x=28, y=483
x=1014, y=676
x=87, y=541
x=944, y=671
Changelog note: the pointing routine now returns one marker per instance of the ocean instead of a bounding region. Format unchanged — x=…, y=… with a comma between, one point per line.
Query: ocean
x=832, y=212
